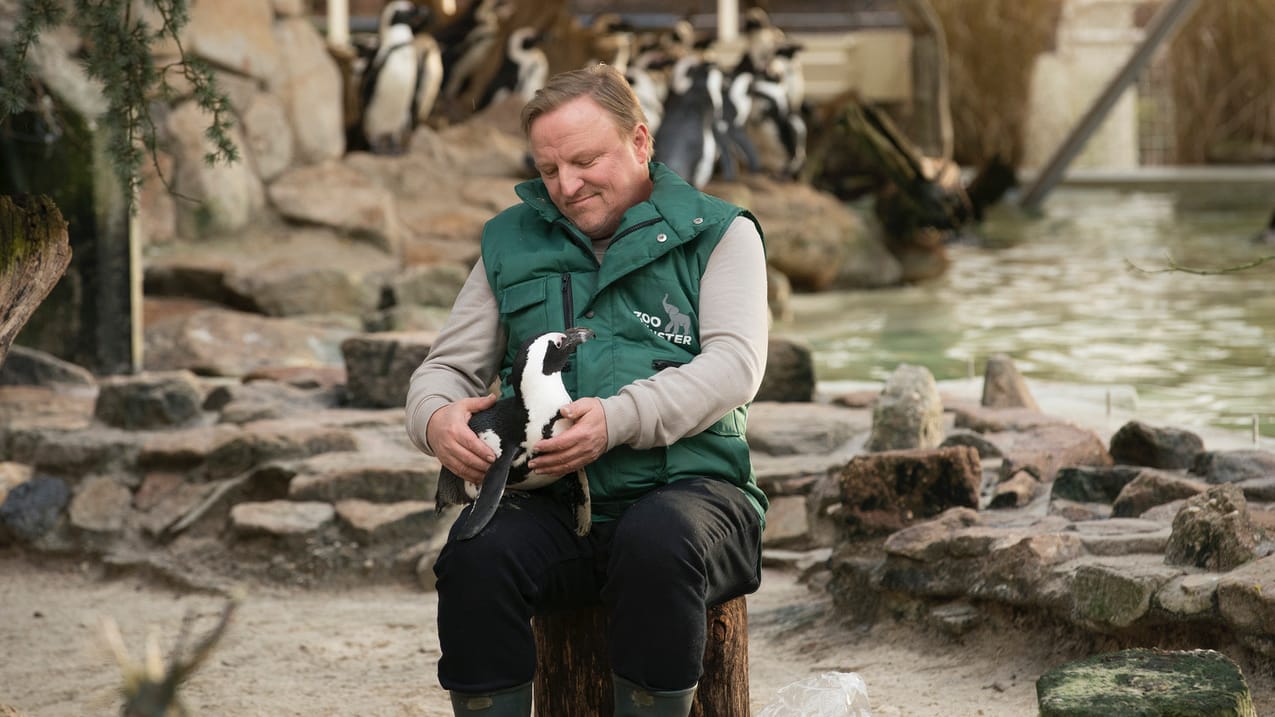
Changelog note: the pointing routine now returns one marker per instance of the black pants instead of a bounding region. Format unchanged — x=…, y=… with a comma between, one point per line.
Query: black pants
x=678, y=550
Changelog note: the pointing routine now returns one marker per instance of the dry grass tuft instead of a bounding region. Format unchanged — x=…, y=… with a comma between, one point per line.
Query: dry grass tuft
x=1221, y=68
x=992, y=46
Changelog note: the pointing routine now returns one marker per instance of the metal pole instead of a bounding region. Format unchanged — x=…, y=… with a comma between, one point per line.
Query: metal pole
x=727, y=20
x=1162, y=25
x=338, y=23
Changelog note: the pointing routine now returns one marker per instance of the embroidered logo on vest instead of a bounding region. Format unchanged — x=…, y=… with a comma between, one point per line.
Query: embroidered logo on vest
x=676, y=328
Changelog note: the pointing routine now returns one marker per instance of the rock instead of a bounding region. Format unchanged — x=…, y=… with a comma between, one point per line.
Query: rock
x=998, y=420
x=268, y=134
x=908, y=413
x=247, y=401
x=310, y=87
x=1139, y=444
x=1213, y=531
x=1092, y=483
x=13, y=475
x=334, y=195
x=220, y=342
x=1246, y=602
x=23, y=366
x=372, y=522
x=435, y=285
x=235, y=34
x=1111, y=594
x=787, y=523
x=1123, y=536
x=150, y=400
x=1044, y=449
x=100, y=505
x=790, y=371
x=1015, y=492
x=1189, y=596
x=227, y=196
x=1146, y=682
x=965, y=437
x=342, y=475
x=379, y=367
x=1152, y=488
x=32, y=509
x=1233, y=466
x=800, y=429
x=1004, y=387
x=75, y=453
x=885, y=491
x=281, y=518
x=264, y=442
x=814, y=239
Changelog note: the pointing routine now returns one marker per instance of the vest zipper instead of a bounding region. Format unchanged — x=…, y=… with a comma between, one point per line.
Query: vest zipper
x=568, y=303
x=635, y=227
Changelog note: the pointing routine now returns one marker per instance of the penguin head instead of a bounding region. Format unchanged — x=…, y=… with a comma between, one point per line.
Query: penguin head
x=546, y=354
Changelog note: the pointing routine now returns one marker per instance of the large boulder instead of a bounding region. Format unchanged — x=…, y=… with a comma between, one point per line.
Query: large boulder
x=908, y=413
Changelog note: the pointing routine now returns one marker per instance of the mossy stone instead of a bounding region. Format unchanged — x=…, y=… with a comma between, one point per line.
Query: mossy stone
x=1146, y=683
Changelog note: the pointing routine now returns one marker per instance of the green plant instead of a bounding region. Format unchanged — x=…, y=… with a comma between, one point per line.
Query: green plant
x=117, y=54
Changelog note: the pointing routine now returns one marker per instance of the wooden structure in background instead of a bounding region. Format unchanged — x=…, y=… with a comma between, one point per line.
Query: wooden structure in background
x=35, y=251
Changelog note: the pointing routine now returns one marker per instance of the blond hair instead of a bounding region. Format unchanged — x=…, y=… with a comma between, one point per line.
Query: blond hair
x=600, y=82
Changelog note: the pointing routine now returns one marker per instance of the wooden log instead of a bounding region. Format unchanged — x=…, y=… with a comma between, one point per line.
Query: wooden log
x=35, y=251
x=573, y=673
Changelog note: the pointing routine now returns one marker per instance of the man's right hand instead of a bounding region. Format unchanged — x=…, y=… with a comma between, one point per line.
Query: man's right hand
x=455, y=444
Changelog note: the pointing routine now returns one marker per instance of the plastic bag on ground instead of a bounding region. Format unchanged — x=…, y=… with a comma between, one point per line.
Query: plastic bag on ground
x=831, y=694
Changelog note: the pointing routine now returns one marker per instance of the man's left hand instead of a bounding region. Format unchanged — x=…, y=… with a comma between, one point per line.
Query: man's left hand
x=579, y=445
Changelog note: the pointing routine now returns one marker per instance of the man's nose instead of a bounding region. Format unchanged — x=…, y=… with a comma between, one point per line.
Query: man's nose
x=570, y=181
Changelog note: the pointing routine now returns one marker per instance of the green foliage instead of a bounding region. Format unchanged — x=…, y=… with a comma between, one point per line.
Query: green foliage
x=117, y=53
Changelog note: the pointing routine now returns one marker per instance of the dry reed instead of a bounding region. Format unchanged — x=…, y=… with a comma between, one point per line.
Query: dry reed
x=1220, y=77
x=992, y=47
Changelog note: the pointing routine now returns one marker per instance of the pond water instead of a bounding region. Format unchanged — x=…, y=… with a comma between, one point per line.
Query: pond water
x=1056, y=293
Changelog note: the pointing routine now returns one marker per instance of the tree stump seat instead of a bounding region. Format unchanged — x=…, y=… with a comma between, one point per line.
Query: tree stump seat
x=573, y=672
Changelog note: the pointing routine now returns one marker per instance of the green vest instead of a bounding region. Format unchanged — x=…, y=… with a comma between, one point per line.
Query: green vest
x=642, y=305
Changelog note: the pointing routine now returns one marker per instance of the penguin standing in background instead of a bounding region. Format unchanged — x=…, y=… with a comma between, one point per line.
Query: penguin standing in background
x=513, y=426
x=732, y=131
x=524, y=70
x=429, y=75
x=772, y=106
x=389, y=83
x=467, y=42
x=687, y=139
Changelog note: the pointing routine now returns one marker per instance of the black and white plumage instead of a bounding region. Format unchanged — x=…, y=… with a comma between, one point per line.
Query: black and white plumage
x=389, y=83
x=513, y=426
x=524, y=70
x=771, y=105
x=732, y=128
x=687, y=139
x=429, y=70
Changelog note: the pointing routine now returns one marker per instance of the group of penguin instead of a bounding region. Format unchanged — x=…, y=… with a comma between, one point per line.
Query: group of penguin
x=703, y=115
x=411, y=66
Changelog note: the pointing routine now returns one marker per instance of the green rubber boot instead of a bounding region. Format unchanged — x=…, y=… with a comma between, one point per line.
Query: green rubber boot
x=632, y=700
x=513, y=702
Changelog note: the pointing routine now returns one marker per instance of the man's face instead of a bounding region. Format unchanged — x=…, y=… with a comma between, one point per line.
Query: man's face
x=593, y=172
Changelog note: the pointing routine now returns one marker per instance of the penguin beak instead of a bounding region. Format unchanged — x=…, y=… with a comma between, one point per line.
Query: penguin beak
x=576, y=335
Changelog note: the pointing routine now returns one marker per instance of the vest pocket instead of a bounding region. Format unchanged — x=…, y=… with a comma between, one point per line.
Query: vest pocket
x=524, y=309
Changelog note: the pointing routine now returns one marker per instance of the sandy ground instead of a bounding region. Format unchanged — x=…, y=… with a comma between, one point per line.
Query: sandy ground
x=372, y=651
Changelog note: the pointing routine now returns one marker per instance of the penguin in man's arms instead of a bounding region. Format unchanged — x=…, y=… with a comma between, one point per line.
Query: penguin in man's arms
x=513, y=426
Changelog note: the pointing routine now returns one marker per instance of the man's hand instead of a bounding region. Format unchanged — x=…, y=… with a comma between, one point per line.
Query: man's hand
x=455, y=444
x=579, y=445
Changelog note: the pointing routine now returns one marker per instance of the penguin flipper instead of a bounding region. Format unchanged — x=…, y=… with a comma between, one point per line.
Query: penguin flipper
x=489, y=496
x=450, y=491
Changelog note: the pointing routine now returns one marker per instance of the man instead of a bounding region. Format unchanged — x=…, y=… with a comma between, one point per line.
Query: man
x=672, y=283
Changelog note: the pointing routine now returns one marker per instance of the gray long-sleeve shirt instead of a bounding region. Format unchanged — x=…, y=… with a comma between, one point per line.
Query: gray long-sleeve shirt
x=465, y=357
